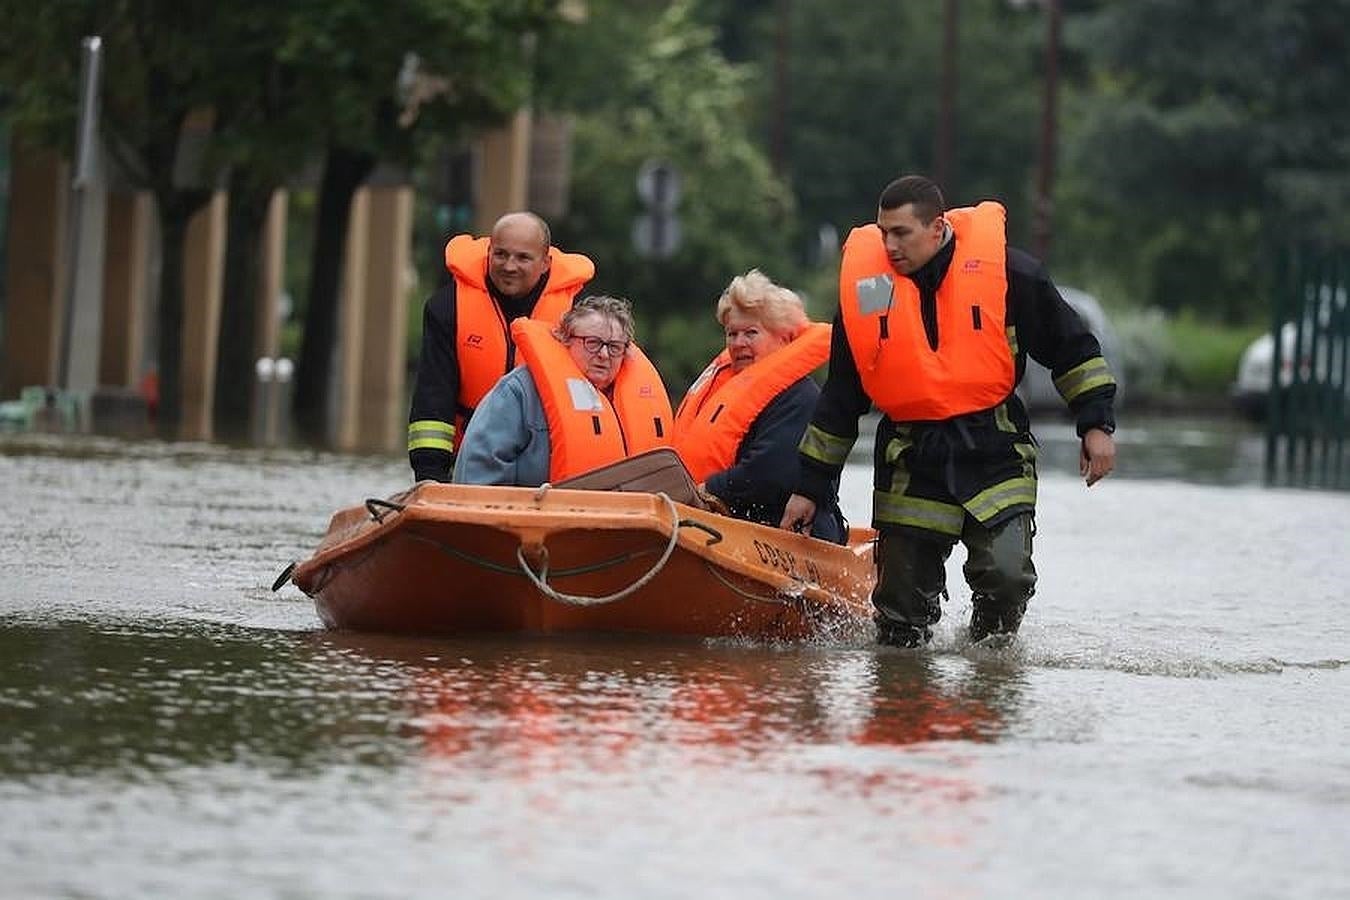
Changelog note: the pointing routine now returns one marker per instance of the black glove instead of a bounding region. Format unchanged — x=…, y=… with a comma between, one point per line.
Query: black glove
x=432, y=465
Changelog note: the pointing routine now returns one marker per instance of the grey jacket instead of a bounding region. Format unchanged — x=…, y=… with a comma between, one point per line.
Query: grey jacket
x=506, y=441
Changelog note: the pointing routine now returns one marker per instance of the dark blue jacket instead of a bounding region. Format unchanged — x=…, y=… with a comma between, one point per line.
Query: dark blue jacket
x=767, y=469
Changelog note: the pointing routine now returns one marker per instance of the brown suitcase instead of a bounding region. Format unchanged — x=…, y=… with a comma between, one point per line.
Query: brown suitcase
x=658, y=471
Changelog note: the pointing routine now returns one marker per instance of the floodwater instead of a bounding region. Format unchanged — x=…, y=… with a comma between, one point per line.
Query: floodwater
x=1171, y=721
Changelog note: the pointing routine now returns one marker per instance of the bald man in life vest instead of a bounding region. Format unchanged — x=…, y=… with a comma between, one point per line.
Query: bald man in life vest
x=936, y=318
x=466, y=328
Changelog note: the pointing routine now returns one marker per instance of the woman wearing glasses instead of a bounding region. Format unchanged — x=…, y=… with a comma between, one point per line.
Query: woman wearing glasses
x=585, y=397
x=738, y=426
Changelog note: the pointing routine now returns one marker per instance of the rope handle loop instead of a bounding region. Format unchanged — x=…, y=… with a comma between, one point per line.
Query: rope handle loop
x=540, y=579
x=378, y=508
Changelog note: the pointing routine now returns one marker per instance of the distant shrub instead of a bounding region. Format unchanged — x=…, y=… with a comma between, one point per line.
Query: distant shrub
x=1203, y=356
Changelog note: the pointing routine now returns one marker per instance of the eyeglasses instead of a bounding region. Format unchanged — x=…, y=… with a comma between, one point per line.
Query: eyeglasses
x=593, y=345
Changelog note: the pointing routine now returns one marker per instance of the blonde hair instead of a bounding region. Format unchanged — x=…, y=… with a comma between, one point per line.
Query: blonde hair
x=755, y=295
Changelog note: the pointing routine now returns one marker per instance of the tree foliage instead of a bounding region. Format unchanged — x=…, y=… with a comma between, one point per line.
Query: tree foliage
x=1203, y=140
x=157, y=74
x=863, y=101
x=381, y=83
x=670, y=95
x=285, y=84
x=1195, y=138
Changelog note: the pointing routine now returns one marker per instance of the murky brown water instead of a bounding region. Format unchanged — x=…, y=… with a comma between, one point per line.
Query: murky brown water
x=1170, y=722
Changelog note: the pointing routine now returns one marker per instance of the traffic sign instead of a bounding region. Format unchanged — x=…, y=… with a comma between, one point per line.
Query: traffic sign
x=658, y=184
x=656, y=235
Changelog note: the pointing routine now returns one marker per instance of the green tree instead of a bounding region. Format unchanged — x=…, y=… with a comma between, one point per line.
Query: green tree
x=1202, y=142
x=275, y=133
x=285, y=84
x=158, y=72
x=466, y=64
x=863, y=102
x=648, y=82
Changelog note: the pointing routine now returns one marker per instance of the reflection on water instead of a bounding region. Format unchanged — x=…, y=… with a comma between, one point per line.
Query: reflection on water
x=604, y=706
x=131, y=701
x=1205, y=450
x=174, y=732
x=1209, y=450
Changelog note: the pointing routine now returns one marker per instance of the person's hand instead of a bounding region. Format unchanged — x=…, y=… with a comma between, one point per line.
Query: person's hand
x=799, y=513
x=1097, y=457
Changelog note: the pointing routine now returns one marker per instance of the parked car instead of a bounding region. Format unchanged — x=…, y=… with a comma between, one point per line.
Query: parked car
x=1251, y=389
x=1317, y=355
x=1037, y=389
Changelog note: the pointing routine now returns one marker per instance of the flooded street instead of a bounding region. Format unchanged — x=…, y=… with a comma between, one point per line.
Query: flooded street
x=1171, y=720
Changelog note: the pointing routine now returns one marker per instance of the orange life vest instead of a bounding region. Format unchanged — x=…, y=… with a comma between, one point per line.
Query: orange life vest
x=482, y=349
x=973, y=367
x=586, y=428
x=721, y=405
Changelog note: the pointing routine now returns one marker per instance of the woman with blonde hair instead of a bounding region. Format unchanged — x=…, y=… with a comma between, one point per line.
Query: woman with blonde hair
x=739, y=424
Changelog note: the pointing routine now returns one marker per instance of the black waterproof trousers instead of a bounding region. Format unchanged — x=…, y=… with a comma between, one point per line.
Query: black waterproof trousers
x=912, y=578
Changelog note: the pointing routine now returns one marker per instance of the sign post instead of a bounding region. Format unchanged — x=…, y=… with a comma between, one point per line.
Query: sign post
x=656, y=232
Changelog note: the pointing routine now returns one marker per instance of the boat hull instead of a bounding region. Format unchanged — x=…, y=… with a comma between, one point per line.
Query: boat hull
x=458, y=559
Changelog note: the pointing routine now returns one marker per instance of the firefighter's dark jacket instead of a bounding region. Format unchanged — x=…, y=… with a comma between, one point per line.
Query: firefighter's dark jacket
x=436, y=391
x=1043, y=325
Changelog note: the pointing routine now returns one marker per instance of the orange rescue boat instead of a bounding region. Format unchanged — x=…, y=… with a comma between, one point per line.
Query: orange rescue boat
x=458, y=559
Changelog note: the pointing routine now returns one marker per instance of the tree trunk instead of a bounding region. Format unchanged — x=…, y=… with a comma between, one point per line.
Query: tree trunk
x=176, y=209
x=239, y=307
x=344, y=170
x=173, y=238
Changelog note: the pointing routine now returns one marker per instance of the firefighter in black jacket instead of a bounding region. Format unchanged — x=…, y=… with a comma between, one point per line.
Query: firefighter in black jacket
x=936, y=317
x=466, y=328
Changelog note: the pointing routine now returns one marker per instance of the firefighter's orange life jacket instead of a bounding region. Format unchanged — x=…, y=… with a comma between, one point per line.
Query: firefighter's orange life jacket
x=973, y=367
x=482, y=342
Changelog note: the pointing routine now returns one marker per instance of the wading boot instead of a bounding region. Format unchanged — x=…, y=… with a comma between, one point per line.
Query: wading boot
x=909, y=591
x=989, y=616
x=900, y=634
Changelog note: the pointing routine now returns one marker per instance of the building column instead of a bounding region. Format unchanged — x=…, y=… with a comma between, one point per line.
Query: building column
x=272, y=271
x=503, y=164
x=36, y=278
x=382, y=409
x=550, y=178
x=125, y=289
x=351, y=325
x=203, y=276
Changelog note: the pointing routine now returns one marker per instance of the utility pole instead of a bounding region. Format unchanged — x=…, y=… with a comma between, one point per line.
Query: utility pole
x=1042, y=228
x=944, y=141
x=82, y=324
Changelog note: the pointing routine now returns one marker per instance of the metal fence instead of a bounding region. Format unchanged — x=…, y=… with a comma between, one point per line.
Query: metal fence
x=1309, y=405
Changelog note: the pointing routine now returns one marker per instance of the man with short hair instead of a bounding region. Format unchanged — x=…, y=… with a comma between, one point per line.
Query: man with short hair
x=466, y=338
x=936, y=317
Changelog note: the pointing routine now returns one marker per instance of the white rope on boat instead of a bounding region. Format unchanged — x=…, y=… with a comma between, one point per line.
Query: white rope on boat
x=540, y=579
